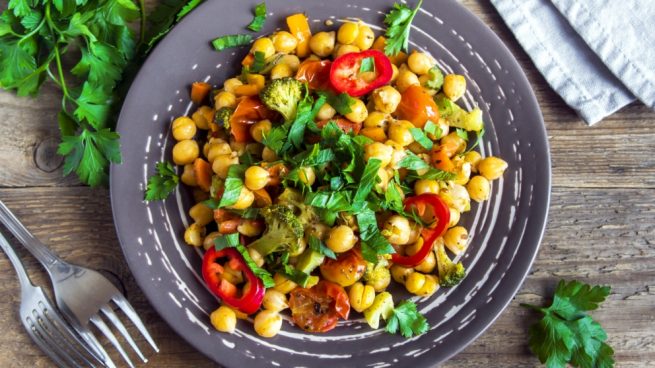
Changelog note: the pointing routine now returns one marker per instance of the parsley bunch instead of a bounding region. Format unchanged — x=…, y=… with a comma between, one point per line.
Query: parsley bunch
x=566, y=333
x=39, y=37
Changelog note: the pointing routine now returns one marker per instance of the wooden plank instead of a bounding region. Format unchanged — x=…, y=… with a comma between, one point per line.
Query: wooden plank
x=596, y=235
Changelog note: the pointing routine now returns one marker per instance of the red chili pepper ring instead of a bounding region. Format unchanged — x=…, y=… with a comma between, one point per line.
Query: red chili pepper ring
x=346, y=75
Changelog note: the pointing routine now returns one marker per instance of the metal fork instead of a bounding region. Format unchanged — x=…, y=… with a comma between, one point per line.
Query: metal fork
x=84, y=296
x=42, y=321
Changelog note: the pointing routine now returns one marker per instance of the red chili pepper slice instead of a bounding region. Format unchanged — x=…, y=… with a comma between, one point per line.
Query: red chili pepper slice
x=346, y=77
x=442, y=217
x=249, y=299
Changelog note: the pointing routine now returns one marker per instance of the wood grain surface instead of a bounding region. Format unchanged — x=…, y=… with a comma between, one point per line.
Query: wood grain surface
x=601, y=227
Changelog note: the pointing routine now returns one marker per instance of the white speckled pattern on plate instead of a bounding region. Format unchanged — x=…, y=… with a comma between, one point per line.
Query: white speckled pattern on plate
x=505, y=231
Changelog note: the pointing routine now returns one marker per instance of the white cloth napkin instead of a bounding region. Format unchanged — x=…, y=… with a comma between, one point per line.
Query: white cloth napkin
x=599, y=55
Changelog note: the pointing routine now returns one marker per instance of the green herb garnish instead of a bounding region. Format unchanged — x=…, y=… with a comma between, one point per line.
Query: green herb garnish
x=407, y=320
x=228, y=41
x=399, y=21
x=259, y=19
x=160, y=186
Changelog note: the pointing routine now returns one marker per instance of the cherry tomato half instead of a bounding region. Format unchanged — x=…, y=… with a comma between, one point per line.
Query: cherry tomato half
x=345, y=270
x=417, y=106
x=344, y=124
x=249, y=110
x=318, y=308
x=316, y=73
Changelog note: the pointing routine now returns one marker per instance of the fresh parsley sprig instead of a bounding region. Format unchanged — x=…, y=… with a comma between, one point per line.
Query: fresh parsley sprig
x=163, y=183
x=407, y=320
x=399, y=21
x=566, y=334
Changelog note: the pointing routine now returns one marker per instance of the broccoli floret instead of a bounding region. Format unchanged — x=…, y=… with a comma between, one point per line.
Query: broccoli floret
x=305, y=213
x=450, y=273
x=283, y=231
x=222, y=117
x=283, y=96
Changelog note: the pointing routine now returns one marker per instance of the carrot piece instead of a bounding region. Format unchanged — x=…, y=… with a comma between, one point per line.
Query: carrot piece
x=375, y=133
x=203, y=172
x=440, y=159
x=247, y=90
x=199, y=92
x=299, y=27
x=248, y=60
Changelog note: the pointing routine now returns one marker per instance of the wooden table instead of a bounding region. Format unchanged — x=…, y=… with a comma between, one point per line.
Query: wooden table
x=601, y=227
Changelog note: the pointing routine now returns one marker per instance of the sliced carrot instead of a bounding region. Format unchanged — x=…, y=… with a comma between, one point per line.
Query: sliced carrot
x=247, y=90
x=375, y=133
x=248, y=60
x=199, y=92
x=203, y=172
x=299, y=27
x=440, y=159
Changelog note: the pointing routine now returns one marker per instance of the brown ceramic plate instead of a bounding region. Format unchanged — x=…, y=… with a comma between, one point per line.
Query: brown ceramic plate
x=505, y=231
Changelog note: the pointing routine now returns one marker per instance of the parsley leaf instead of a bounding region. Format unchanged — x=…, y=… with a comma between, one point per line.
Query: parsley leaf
x=259, y=19
x=566, y=333
x=407, y=320
x=421, y=138
x=413, y=162
x=341, y=102
x=228, y=41
x=367, y=181
x=367, y=65
x=398, y=23
x=233, y=185
x=259, y=62
x=462, y=134
x=163, y=184
x=317, y=245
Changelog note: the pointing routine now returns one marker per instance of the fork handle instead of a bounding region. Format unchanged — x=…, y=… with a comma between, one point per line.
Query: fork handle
x=38, y=249
x=16, y=262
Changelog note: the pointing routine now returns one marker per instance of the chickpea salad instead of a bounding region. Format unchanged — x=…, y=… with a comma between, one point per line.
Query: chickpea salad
x=336, y=162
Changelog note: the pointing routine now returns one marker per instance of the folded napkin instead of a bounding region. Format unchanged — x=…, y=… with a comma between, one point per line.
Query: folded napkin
x=599, y=55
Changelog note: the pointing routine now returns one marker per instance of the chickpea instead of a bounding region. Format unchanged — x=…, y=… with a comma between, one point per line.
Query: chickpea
x=383, y=176
x=217, y=149
x=239, y=148
x=463, y=173
x=405, y=79
x=492, y=167
x=428, y=264
x=386, y=99
x=361, y=296
x=399, y=132
x=454, y=217
x=260, y=129
x=256, y=177
x=282, y=284
x=268, y=323
x=322, y=43
x=397, y=230
x=415, y=232
x=394, y=73
x=474, y=158
x=456, y=239
x=347, y=33
x=284, y=42
x=381, y=281
x=256, y=257
x=358, y=111
x=426, y=186
x=222, y=163
x=246, y=198
x=376, y=134
x=225, y=99
x=318, y=230
x=442, y=130
x=224, y=319
x=454, y=86
x=199, y=117
x=419, y=63
x=380, y=151
x=183, y=128
x=400, y=273
x=264, y=45
x=341, y=239
x=281, y=70
x=398, y=153
x=269, y=155
x=275, y=300
x=307, y=175
x=414, y=282
x=326, y=112
x=201, y=214
x=345, y=49
x=365, y=38
x=208, y=242
x=194, y=235
x=189, y=176
x=456, y=196
x=230, y=84
x=479, y=188
x=291, y=60
x=185, y=152
x=377, y=119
